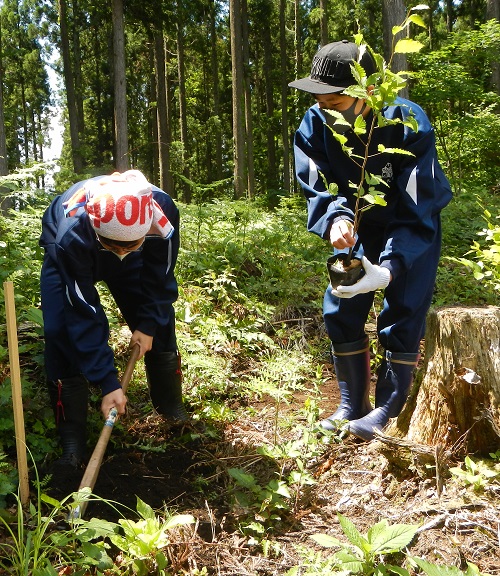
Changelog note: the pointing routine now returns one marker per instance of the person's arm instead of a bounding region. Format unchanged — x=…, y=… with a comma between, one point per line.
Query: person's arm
x=313, y=169
x=86, y=321
x=158, y=282
x=421, y=191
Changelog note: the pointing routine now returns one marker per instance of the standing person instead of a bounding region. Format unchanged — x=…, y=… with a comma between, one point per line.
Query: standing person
x=123, y=231
x=398, y=244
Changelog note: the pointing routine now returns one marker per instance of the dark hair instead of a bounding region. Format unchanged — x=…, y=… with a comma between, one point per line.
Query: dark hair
x=118, y=243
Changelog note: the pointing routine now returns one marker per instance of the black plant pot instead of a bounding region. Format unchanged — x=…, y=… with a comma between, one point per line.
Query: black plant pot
x=341, y=274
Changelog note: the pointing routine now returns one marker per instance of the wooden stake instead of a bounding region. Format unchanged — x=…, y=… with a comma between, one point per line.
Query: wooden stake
x=17, y=401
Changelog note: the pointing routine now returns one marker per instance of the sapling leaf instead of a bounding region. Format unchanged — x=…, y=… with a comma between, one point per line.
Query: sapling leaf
x=436, y=570
x=350, y=563
x=144, y=510
x=394, y=538
x=369, y=198
x=372, y=179
x=407, y=46
x=416, y=19
x=326, y=540
x=397, y=570
x=395, y=151
x=352, y=533
x=420, y=7
x=397, y=29
x=359, y=125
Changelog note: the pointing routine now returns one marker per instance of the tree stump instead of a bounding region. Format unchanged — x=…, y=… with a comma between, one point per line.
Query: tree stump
x=455, y=402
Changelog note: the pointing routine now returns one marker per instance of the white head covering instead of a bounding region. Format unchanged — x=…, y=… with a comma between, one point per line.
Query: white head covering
x=121, y=207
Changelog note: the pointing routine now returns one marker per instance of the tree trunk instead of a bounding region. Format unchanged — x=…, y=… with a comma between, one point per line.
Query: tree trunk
x=216, y=91
x=450, y=15
x=5, y=202
x=120, y=91
x=323, y=22
x=393, y=14
x=238, y=98
x=493, y=13
x=272, y=171
x=161, y=112
x=457, y=404
x=181, y=71
x=284, y=98
x=77, y=67
x=70, y=89
x=248, y=103
x=4, y=170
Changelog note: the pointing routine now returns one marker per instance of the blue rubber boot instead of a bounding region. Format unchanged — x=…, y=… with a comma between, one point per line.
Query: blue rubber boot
x=393, y=384
x=163, y=370
x=352, y=367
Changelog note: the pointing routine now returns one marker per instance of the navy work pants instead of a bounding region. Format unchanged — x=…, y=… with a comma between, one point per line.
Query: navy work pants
x=401, y=323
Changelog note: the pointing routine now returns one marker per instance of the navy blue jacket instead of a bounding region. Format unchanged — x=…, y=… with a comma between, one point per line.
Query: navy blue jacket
x=71, y=247
x=418, y=188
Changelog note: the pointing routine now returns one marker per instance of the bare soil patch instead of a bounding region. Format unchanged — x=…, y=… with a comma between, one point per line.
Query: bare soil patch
x=186, y=470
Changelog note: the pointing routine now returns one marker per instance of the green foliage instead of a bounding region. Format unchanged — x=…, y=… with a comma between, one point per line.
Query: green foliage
x=8, y=480
x=438, y=570
x=476, y=473
x=262, y=508
x=265, y=503
x=452, y=84
x=34, y=547
x=142, y=542
x=486, y=263
x=363, y=554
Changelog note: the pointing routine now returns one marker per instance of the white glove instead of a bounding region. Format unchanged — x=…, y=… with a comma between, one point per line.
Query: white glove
x=375, y=277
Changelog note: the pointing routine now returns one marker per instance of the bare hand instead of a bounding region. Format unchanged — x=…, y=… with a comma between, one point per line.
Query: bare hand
x=115, y=399
x=341, y=235
x=144, y=341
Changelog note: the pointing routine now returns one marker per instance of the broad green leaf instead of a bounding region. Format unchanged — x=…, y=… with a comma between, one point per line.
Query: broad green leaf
x=369, y=198
x=376, y=530
x=49, y=500
x=245, y=480
x=35, y=315
x=472, y=570
x=416, y=19
x=359, y=125
x=396, y=29
x=407, y=46
x=372, y=179
x=394, y=538
x=352, y=532
x=326, y=540
x=397, y=570
x=395, y=151
x=436, y=570
x=420, y=7
x=144, y=510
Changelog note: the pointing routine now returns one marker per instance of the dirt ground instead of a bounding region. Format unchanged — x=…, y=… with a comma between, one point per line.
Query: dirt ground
x=186, y=468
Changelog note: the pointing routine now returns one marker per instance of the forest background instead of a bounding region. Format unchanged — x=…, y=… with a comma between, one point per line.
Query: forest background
x=195, y=95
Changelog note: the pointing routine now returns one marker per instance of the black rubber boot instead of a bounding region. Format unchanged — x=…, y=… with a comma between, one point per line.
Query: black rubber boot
x=352, y=367
x=69, y=399
x=163, y=370
x=393, y=384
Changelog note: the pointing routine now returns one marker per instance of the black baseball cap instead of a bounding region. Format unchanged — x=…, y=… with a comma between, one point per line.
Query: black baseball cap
x=331, y=68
